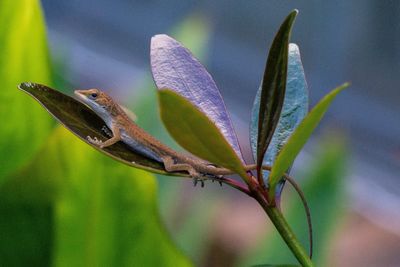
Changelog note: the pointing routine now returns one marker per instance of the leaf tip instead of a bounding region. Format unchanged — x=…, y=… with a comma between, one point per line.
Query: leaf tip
x=290, y=19
x=342, y=87
x=293, y=14
x=346, y=84
x=294, y=48
x=25, y=85
x=159, y=40
x=159, y=36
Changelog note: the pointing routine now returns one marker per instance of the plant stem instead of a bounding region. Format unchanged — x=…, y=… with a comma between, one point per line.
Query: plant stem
x=284, y=230
x=235, y=184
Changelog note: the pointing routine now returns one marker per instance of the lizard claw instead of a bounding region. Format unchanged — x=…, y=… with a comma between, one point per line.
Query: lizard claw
x=217, y=178
x=95, y=141
x=197, y=179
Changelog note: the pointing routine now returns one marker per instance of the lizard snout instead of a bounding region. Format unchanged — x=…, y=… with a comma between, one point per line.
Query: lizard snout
x=78, y=92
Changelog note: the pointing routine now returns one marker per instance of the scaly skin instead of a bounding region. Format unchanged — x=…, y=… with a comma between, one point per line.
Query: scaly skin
x=125, y=130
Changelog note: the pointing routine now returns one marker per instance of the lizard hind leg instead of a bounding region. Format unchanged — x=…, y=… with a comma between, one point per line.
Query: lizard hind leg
x=171, y=166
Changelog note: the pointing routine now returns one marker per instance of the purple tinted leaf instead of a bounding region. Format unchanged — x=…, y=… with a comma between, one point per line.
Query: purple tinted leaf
x=174, y=67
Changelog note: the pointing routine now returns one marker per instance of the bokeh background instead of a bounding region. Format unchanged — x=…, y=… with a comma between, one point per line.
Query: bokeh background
x=349, y=169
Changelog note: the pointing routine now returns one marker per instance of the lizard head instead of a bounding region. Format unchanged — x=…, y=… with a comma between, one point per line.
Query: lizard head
x=97, y=100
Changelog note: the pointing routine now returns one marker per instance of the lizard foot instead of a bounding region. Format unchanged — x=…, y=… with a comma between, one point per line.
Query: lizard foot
x=214, y=177
x=196, y=180
x=217, y=178
x=95, y=141
x=202, y=179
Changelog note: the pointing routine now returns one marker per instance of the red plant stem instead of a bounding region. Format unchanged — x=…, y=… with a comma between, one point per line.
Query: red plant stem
x=235, y=184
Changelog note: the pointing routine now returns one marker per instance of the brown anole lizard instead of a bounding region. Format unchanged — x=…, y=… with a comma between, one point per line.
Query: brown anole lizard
x=125, y=130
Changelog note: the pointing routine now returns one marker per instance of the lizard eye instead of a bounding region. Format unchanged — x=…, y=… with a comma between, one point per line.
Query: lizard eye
x=94, y=95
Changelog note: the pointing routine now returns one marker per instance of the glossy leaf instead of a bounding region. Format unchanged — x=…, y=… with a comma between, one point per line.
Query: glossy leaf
x=295, y=107
x=83, y=122
x=299, y=137
x=174, y=67
x=193, y=130
x=24, y=56
x=273, y=87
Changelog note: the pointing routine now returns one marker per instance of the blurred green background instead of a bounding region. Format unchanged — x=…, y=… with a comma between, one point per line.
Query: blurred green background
x=64, y=204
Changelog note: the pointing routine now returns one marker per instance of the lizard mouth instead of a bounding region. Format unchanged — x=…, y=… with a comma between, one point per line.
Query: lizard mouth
x=81, y=97
x=78, y=93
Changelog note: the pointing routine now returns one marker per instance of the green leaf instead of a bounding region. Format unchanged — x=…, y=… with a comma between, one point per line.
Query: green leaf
x=24, y=56
x=194, y=131
x=299, y=137
x=273, y=87
x=107, y=213
x=104, y=213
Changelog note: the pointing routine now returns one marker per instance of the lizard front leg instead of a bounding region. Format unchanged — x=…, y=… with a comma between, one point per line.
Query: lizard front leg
x=116, y=137
x=171, y=166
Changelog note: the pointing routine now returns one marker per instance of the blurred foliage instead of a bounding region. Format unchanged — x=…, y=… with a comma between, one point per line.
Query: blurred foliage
x=324, y=187
x=24, y=56
x=63, y=203
x=111, y=216
x=100, y=211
